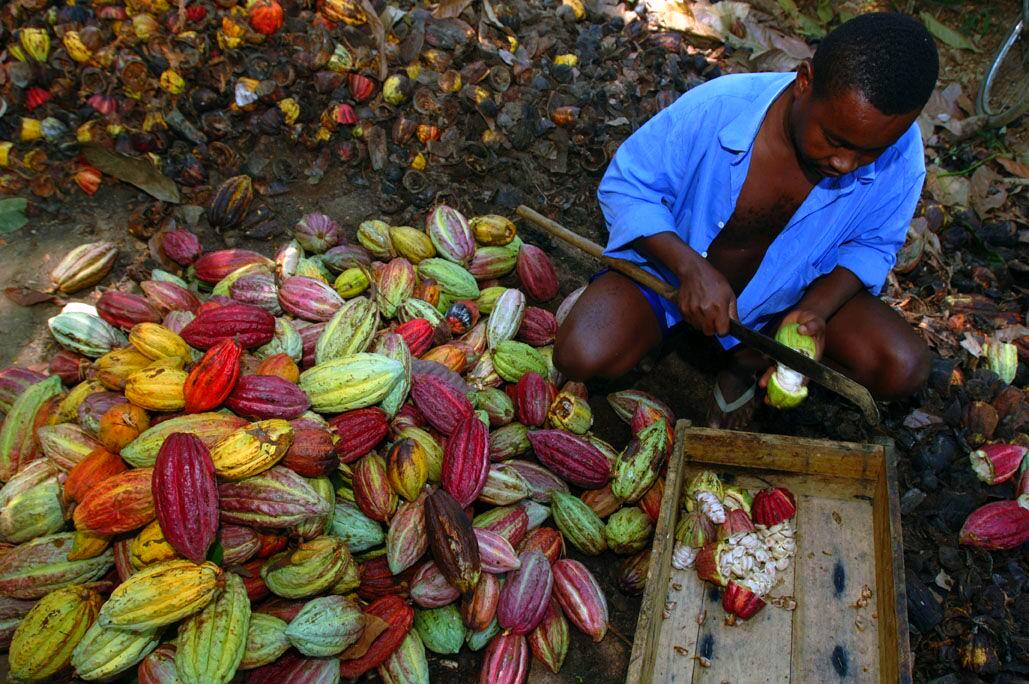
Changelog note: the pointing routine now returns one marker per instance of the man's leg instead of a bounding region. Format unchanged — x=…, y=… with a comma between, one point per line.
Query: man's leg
x=608, y=331
x=871, y=343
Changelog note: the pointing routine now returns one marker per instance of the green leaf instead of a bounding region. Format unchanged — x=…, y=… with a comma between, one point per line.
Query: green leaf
x=945, y=34
x=12, y=214
x=825, y=11
x=808, y=26
x=216, y=553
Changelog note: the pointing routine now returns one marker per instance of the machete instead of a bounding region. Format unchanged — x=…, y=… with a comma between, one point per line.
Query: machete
x=816, y=371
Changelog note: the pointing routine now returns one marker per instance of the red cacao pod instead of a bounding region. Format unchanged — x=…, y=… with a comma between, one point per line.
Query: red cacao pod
x=532, y=398
x=181, y=246
x=441, y=404
x=466, y=460
x=250, y=326
x=359, y=431
x=186, y=495
x=399, y=616
x=418, y=333
x=571, y=457
x=258, y=397
x=538, y=328
x=124, y=309
x=312, y=453
x=536, y=273
x=214, y=266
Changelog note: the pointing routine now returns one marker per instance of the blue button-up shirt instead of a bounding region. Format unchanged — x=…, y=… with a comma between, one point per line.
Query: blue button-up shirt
x=683, y=170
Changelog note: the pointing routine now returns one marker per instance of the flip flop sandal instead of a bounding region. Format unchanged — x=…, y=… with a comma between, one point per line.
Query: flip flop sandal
x=741, y=401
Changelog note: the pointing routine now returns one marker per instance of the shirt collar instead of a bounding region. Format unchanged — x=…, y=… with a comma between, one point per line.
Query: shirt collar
x=738, y=135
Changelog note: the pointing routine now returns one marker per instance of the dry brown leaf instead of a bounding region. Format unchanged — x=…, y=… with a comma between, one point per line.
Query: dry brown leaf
x=26, y=296
x=448, y=9
x=1014, y=167
x=982, y=199
x=373, y=627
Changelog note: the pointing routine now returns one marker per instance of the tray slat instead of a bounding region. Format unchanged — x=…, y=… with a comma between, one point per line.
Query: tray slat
x=836, y=561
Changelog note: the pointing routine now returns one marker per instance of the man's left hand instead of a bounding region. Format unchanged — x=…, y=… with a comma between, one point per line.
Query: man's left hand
x=812, y=325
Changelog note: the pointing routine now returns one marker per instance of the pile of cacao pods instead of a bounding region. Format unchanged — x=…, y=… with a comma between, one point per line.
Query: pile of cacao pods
x=199, y=86
x=735, y=539
x=314, y=466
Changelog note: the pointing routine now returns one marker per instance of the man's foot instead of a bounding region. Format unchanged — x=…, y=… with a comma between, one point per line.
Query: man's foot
x=733, y=401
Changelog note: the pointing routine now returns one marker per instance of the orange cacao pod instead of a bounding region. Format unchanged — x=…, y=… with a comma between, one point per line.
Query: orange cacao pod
x=120, y=503
x=99, y=465
x=211, y=380
x=121, y=424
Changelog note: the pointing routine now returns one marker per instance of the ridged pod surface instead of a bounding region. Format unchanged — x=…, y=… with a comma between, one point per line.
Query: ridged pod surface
x=506, y=660
x=407, y=664
x=105, y=651
x=250, y=326
x=442, y=405
x=161, y=594
x=571, y=457
x=277, y=498
x=578, y=523
x=252, y=449
x=230, y=202
x=211, y=380
x=44, y=640
x=211, y=643
x=209, y=428
x=18, y=444
x=325, y=626
x=42, y=565
x=549, y=640
x=452, y=540
x=399, y=616
x=353, y=382
x=186, y=495
x=581, y=597
x=466, y=460
x=120, y=503
x=526, y=593
x=262, y=397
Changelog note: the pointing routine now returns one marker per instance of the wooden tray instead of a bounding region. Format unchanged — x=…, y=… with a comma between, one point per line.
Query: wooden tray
x=848, y=544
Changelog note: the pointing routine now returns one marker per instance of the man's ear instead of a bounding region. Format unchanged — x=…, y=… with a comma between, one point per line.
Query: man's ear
x=805, y=78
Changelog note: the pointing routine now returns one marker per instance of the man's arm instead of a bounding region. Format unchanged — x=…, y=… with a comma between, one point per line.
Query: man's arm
x=706, y=300
x=640, y=186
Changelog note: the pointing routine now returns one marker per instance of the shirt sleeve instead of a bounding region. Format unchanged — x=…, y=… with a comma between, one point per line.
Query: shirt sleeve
x=647, y=173
x=872, y=253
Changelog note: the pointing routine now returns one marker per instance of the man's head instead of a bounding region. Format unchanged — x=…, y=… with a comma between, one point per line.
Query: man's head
x=867, y=83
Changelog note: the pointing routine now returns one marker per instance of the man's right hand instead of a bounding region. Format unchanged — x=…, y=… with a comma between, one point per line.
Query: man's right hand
x=706, y=299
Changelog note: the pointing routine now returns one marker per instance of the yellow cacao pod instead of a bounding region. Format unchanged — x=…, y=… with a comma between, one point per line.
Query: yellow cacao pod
x=115, y=367
x=161, y=594
x=252, y=449
x=149, y=547
x=157, y=389
x=155, y=341
x=43, y=643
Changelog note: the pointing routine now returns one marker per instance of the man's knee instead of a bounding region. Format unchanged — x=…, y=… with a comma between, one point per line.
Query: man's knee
x=582, y=361
x=904, y=369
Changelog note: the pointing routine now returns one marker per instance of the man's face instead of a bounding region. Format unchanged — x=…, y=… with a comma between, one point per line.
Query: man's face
x=835, y=134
